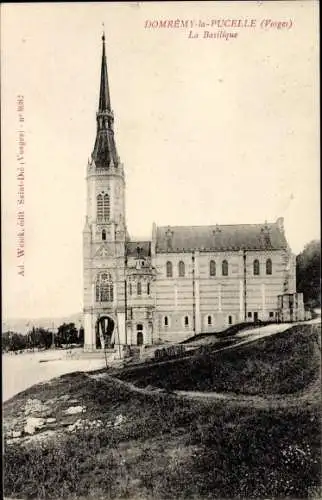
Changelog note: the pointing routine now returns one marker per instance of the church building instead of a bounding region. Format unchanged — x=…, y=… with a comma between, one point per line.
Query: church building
x=184, y=280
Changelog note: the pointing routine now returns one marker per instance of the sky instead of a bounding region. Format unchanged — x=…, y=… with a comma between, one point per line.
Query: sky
x=210, y=130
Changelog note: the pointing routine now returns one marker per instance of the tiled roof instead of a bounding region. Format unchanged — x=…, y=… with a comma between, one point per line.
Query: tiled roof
x=143, y=246
x=219, y=238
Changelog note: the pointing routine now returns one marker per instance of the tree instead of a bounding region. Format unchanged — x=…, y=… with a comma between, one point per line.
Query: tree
x=39, y=337
x=67, y=334
x=12, y=341
x=45, y=338
x=5, y=344
x=308, y=269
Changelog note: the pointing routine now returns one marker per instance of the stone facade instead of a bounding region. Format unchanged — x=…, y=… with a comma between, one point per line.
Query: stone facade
x=185, y=280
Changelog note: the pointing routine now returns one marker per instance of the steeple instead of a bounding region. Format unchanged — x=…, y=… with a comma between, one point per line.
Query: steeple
x=104, y=102
x=104, y=153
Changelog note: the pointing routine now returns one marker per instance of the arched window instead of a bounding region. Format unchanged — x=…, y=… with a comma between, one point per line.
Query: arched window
x=256, y=267
x=225, y=268
x=186, y=321
x=130, y=288
x=166, y=321
x=106, y=207
x=169, y=269
x=148, y=288
x=212, y=268
x=209, y=320
x=139, y=288
x=269, y=266
x=104, y=288
x=103, y=207
x=103, y=235
x=99, y=207
x=181, y=269
x=230, y=320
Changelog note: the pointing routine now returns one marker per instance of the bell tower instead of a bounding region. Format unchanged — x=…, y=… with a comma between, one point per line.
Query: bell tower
x=104, y=232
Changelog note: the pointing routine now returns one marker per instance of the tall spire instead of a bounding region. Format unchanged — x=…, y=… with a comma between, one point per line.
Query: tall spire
x=104, y=152
x=104, y=102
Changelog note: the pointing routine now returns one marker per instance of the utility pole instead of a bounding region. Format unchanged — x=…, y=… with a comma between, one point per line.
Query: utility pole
x=245, y=285
x=125, y=295
x=193, y=294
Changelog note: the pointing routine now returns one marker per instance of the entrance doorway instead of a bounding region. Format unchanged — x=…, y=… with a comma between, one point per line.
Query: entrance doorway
x=255, y=316
x=139, y=335
x=104, y=330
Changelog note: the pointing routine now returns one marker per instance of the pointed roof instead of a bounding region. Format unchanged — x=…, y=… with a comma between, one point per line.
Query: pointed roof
x=104, y=100
x=104, y=153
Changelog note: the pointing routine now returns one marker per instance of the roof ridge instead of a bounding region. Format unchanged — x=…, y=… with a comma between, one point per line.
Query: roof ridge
x=220, y=225
x=221, y=237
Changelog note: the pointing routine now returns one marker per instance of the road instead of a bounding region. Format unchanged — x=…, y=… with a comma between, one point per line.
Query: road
x=24, y=370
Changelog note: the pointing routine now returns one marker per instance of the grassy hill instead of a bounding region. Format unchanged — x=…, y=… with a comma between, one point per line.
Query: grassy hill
x=227, y=332
x=140, y=445
x=283, y=364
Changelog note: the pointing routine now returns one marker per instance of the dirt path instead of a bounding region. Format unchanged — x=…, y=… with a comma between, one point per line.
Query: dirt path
x=311, y=395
